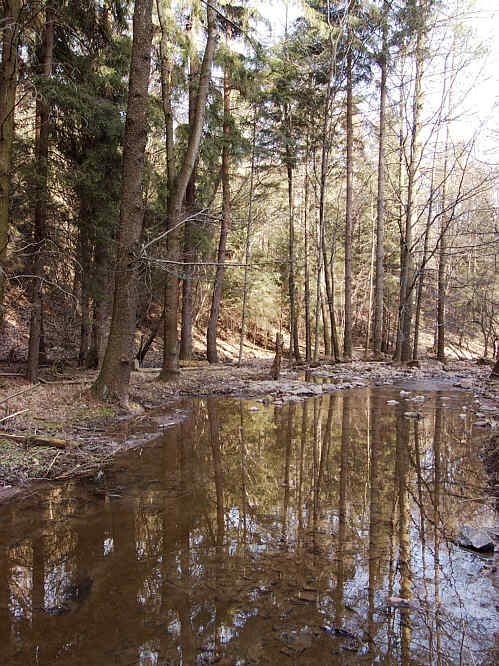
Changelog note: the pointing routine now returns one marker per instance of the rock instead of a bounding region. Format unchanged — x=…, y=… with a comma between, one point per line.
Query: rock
x=482, y=424
x=413, y=415
x=402, y=604
x=418, y=398
x=392, y=402
x=405, y=394
x=476, y=538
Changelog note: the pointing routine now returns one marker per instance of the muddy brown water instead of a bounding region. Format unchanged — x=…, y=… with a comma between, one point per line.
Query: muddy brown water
x=253, y=534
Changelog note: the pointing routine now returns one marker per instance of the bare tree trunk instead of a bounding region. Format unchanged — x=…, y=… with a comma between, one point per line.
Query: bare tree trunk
x=189, y=240
x=380, y=218
x=211, y=333
x=114, y=377
x=101, y=302
x=308, y=332
x=40, y=219
x=442, y=256
x=371, y=285
x=293, y=323
x=406, y=273
x=11, y=32
x=175, y=199
x=326, y=336
x=347, y=338
x=84, y=281
x=248, y=240
x=322, y=240
x=419, y=293
x=275, y=370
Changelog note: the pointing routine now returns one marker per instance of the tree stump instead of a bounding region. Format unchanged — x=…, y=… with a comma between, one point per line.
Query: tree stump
x=275, y=370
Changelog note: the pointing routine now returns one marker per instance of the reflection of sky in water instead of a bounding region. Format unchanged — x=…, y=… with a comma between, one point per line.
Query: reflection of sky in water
x=167, y=565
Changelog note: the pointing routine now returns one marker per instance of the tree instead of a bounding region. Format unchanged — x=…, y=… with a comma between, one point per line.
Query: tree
x=347, y=335
x=42, y=131
x=380, y=209
x=12, y=30
x=114, y=377
x=176, y=194
x=211, y=333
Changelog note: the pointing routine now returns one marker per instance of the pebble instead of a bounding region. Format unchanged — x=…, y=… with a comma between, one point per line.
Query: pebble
x=413, y=415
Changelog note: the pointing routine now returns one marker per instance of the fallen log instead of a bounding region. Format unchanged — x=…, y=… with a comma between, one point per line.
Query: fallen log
x=39, y=440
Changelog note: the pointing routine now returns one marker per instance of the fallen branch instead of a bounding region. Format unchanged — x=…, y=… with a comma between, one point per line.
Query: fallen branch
x=39, y=440
x=11, y=416
x=86, y=380
x=24, y=390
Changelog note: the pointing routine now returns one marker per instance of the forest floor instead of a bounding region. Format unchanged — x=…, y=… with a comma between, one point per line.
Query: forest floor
x=84, y=434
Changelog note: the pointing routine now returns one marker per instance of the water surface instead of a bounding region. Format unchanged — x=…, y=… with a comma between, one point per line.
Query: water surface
x=252, y=534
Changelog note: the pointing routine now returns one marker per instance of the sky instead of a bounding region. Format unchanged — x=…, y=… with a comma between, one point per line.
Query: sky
x=479, y=83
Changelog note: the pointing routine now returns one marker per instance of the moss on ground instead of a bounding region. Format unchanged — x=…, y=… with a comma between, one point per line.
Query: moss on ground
x=21, y=463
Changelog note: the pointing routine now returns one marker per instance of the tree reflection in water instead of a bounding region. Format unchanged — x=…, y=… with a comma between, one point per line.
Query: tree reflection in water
x=257, y=537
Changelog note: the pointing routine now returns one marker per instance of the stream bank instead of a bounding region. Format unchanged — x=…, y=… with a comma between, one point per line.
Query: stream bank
x=62, y=408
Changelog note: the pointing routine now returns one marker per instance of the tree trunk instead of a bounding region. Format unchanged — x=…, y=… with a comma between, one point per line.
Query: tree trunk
x=211, y=333
x=8, y=82
x=247, y=253
x=444, y=226
x=175, y=198
x=308, y=332
x=100, y=303
x=419, y=293
x=84, y=281
x=326, y=336
x=347, y=338
x=40, y=217
x=189, y=239
x=322, y=222
x=406, y=273
x=380, y=218
x=293, y=323
x=114, y=377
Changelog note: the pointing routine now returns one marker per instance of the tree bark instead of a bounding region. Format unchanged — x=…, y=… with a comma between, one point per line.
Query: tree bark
x=211, y=333
x=247, y=253
x=40, y=215
x=347, y=337
x=442, y=255
x=293, y=323
x=380, y=217
x=175, y=198
x=8, y=83
x=419, y=292
x=114, y=377
x=406, y=271
x=308, y=331
x=189, y=239
x=85, y=261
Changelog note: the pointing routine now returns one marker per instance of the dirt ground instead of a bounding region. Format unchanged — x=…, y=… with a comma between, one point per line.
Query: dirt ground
x=89, y=433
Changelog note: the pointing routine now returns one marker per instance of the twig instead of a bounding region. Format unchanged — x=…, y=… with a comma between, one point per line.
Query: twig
x=11, y=416
x=24, y=390
x=53, y=461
